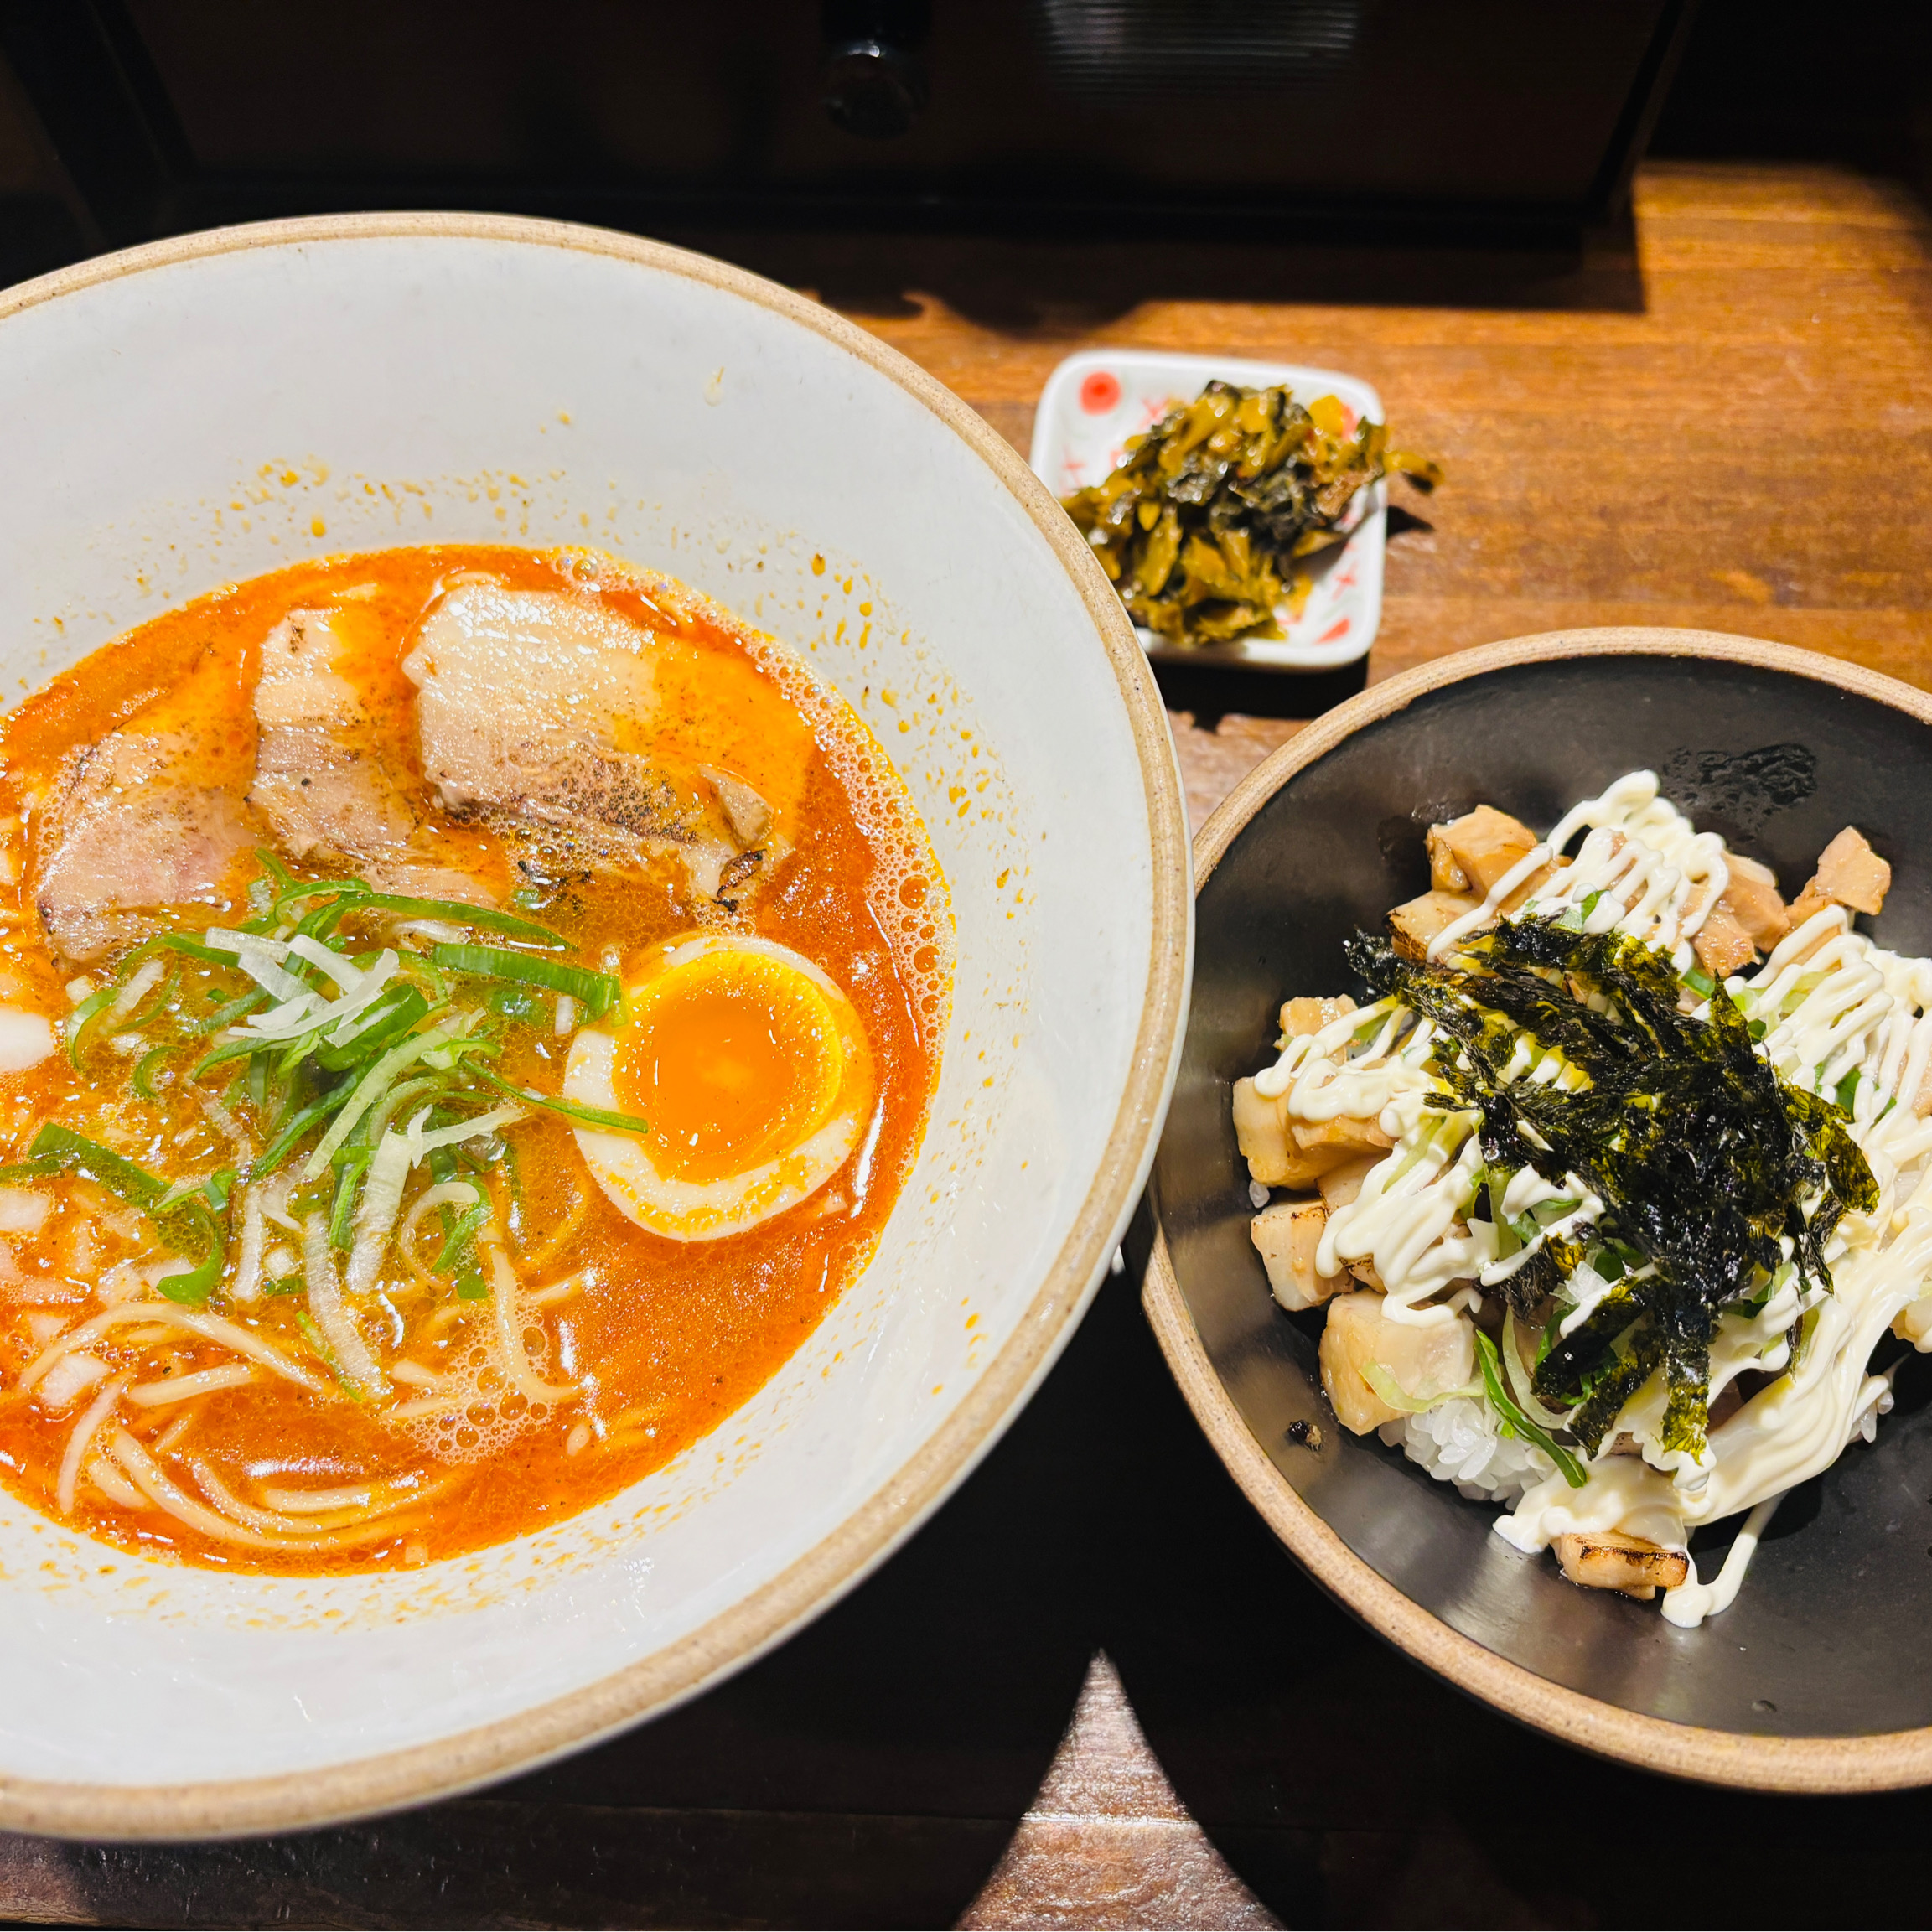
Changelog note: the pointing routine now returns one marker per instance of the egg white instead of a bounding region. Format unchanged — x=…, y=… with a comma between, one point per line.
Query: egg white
x=684, y=1211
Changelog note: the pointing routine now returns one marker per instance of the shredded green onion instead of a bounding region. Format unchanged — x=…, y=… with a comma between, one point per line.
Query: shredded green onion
x=185, y=1225
x=368, y=1089
x=142, y=1080
x=596, y=992
x=461, y=1241
x=1397, y=1398
x=83, y=1022
x=284, y=1144
x=358, y=898
x=1508, y=1240
x=400, y=1007
x=1514, y=1423
x=571, y=1109
x=351, y=1165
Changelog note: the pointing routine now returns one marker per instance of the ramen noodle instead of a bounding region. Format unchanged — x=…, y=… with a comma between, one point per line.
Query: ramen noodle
x=465, y=1015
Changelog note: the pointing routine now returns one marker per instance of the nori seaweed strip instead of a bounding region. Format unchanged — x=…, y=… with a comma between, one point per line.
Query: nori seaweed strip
x=1590, y=1420
x=1574, y=1361
x=1703, y=1157
x=1543, y=1274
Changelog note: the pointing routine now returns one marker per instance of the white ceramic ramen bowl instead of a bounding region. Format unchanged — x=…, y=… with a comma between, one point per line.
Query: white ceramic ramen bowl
x=210, y=408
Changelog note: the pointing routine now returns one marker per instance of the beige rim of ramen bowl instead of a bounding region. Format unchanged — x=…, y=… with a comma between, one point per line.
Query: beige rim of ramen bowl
x=756, y=1622
x=1882, y=1761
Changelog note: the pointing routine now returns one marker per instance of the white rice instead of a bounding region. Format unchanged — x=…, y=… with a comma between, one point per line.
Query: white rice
x=1459, y=1441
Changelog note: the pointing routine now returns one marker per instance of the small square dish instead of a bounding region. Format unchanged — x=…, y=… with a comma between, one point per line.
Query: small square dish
x=1094, y=401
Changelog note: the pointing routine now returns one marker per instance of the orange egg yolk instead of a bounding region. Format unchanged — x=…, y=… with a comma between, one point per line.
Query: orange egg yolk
x=733, y=1057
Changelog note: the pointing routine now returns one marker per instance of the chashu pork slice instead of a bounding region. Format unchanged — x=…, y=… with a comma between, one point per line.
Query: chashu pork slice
x=152, y=816
x=321, y=782
x=532, y=706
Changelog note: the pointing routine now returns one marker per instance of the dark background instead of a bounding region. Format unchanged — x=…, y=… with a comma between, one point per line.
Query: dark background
x=870, y=1772
x=1270, y=122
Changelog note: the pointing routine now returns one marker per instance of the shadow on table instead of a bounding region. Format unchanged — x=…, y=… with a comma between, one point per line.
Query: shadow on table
x=1213, y=691
x=871, y=1771
x=1052, y=284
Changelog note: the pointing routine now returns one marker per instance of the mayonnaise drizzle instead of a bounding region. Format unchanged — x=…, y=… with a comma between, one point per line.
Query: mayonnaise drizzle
x=1659, y=877
x=1690, y=1603
x=1832, y=1006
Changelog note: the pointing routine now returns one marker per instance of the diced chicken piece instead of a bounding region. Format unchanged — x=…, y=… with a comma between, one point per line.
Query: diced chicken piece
x=1445, y=873
x=1752, y=899
x=1339, y=1186
x=1345, y=1136
x=1522, y=894
x=1287, y=1235
x=532, y=705
x=1261, y=1132
x=1413, y=925
x=1311, y=1012
x=1722, y=946
x=1849, y=873
x=1608, y=1559
x=1482, y=846
x=1421, y=1361
x=153, y=815
x=321, y=779
x=1912, y=1323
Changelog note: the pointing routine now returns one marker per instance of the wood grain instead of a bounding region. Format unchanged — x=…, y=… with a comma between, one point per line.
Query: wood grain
x=1720, y=419
x=1106, y=1841
x=1720, y=416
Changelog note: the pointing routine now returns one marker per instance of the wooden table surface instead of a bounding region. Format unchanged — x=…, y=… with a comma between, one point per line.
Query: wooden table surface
x=1094, y=1690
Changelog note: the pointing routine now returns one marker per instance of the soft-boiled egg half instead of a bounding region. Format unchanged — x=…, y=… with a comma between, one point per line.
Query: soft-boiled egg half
x=752, y=1069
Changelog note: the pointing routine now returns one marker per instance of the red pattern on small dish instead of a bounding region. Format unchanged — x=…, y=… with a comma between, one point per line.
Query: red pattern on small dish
x=1100, y=392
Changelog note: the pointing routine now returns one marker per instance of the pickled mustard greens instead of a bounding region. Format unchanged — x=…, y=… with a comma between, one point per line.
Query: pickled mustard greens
x=1202, y=526
x=1705, y=1161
